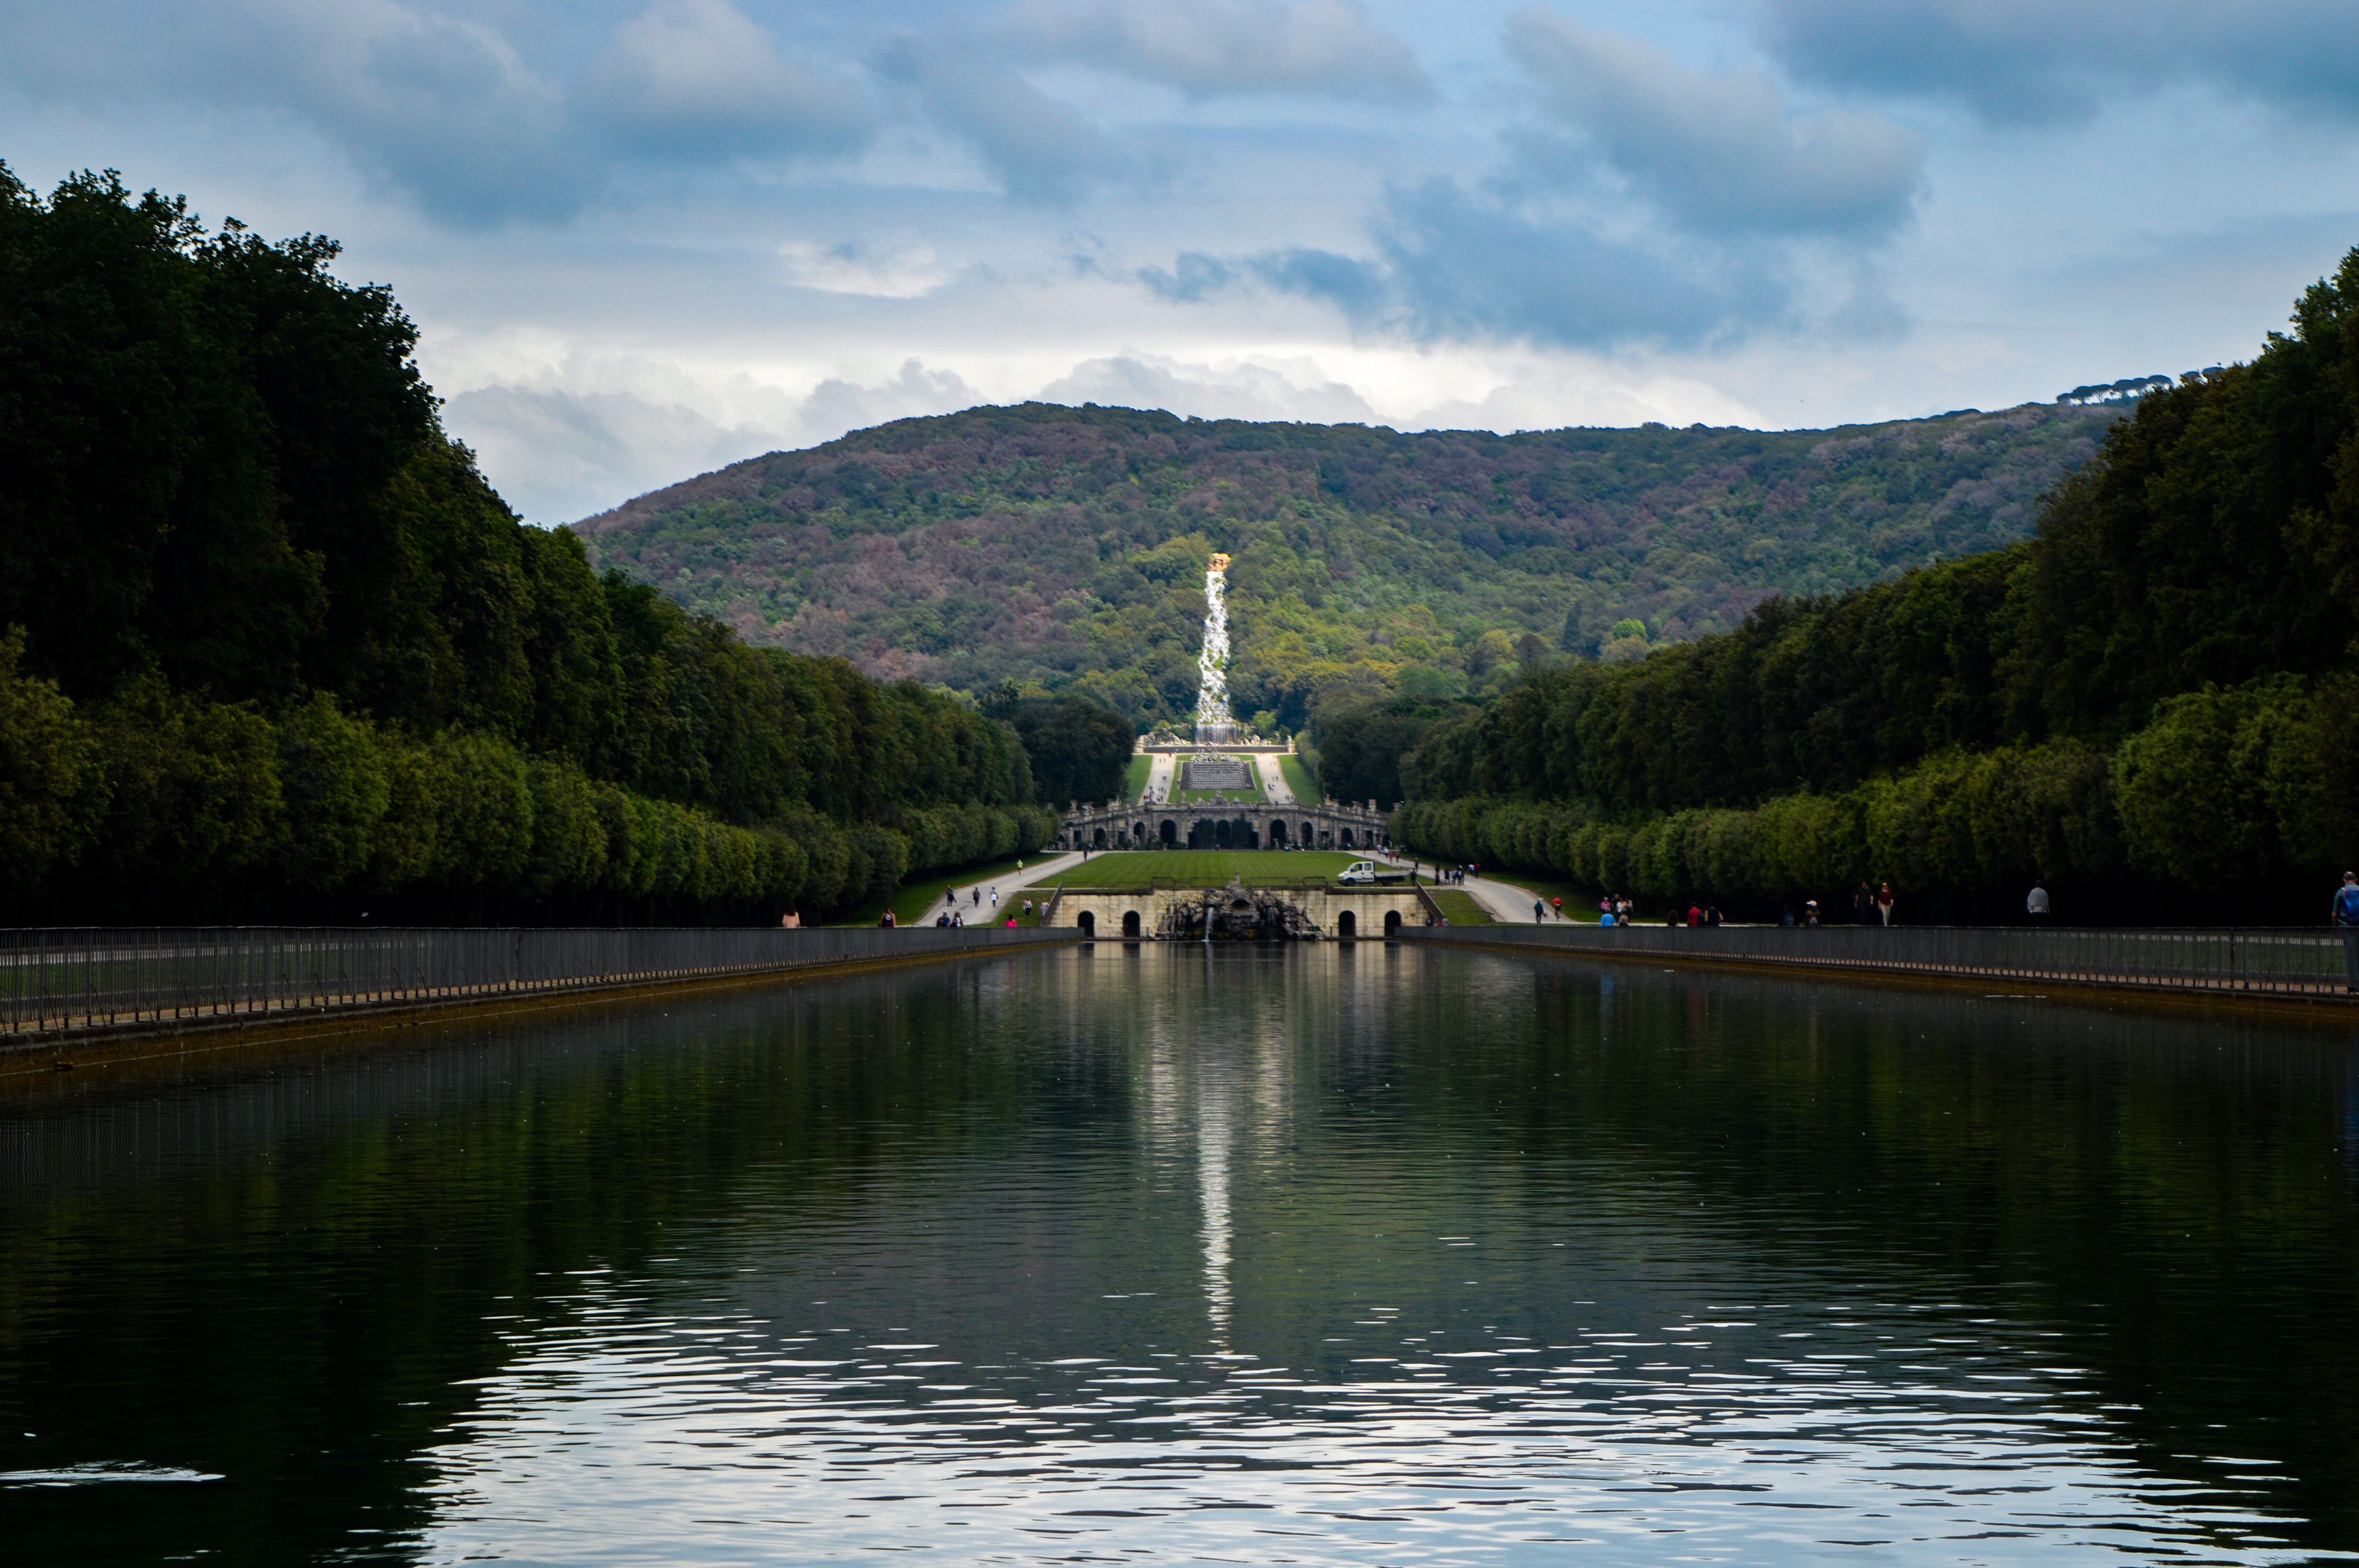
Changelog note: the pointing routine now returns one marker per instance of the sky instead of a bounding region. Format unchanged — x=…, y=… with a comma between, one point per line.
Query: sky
x=642, y=240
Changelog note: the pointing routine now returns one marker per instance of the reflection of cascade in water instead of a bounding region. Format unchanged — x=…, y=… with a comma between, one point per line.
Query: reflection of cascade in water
x=1213, y=1187
x=1214, y=722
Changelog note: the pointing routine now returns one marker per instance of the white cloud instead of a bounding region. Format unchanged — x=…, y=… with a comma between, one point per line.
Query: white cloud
x=580, y=434
x=852, y=267
x=1296, y=390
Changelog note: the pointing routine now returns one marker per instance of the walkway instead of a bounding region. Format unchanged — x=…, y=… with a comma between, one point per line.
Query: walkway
x=1273, y=781
x=1050, y=863
x=1506, y=902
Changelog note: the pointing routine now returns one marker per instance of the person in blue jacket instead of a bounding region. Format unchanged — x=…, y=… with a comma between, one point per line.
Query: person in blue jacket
x=2346, y=917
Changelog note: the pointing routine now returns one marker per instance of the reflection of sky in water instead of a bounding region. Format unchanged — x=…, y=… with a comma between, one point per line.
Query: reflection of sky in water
x=1252, y=1350
x=640, y=1429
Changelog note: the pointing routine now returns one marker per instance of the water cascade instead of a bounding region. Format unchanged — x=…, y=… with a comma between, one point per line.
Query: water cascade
x=1215, y=725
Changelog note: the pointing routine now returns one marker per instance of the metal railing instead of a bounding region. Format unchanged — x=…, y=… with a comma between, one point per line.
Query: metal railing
x=63, y=979
x=2298, y=961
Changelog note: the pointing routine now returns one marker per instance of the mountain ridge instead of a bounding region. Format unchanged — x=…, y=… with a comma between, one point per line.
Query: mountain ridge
x=1061, y=549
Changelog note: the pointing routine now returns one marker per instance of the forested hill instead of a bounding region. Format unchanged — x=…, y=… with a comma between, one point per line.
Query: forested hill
x=1065, y=546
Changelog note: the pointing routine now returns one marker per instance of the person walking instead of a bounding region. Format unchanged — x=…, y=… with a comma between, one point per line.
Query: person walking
x=1539, y=912
x=1884, y=903
x=2346, y=917
x=1863, y=906
x=994, y=896
x=2034, y=903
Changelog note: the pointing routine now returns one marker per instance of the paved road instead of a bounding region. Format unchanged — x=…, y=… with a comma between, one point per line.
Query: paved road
x=1049, y=863
x=1273, y=781
x=1160, y=777
x=1508, y=905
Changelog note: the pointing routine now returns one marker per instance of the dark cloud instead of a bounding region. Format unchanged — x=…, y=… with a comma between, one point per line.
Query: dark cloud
x=1716, y=153
x=1212, y=49
x=1451, y=265
x=1460, y=267
x=445, y=109
x=1042, y=151
x=693, y=78
x=2044, y=60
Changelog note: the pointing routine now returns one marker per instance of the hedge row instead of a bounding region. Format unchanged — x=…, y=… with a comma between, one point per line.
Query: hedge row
x=164, y=796
x=2223, y=786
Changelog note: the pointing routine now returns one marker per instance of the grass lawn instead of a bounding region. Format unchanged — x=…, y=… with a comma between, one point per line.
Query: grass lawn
x=1202, y=868
x=914, y=902
x=1460, y=908
x=1236, y=797
x=1133, y=780
x=1298, y=779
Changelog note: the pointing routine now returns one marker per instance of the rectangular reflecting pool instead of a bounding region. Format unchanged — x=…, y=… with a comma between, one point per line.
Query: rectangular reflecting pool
x=1307, y=1254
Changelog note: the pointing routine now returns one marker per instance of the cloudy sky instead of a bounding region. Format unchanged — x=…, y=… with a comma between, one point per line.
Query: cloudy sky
x=644, y=239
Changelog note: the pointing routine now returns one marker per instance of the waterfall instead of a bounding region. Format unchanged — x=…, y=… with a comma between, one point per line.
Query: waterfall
x=1215, y=725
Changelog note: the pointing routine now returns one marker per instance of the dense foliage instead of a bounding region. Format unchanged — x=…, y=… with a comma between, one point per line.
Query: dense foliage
x=1079, y=750
x=2155, y=693
x=1063, y=549
x=278, y=649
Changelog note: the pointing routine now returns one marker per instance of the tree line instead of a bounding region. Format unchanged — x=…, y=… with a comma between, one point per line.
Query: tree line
x=274, y=649
x=2150, y=701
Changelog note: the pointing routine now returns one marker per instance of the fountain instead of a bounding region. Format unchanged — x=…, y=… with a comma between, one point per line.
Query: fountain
x=1236, y=913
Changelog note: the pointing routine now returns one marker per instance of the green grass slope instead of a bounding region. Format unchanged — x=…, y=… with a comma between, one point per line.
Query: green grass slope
x=1202, y=868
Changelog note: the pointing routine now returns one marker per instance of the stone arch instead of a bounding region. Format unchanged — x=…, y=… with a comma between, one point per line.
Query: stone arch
x=1170, y=831
x=1100, y=838
x=1392, y=923
x=1130, y=925
x=1347, y=926
x=1089, y=924
x=1347, y=839
x=1276, y=832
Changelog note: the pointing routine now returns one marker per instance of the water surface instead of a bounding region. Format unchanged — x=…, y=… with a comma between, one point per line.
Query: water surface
x=1310, y=1255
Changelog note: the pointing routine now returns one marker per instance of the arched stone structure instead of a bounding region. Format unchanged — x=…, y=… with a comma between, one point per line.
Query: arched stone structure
x=1130, y=925
x=1347, y=926
x=1333, y=825
x=1089, y=924
x=1392, y=923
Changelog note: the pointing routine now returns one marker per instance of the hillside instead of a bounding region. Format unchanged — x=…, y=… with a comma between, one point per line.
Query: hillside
x=1064, y=546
